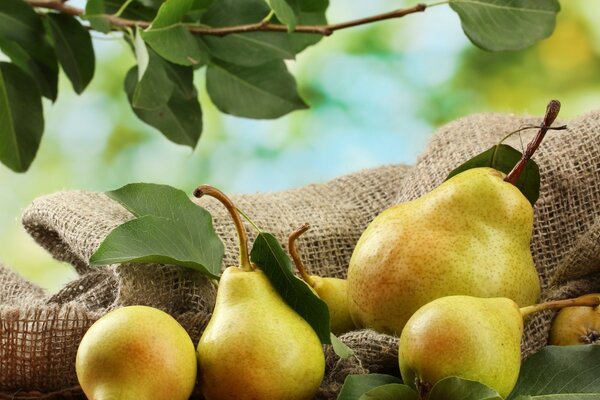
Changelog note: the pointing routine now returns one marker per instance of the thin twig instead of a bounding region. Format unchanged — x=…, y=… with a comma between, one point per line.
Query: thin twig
x=260, y=26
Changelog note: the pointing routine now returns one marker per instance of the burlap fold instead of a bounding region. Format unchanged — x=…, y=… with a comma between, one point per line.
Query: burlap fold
x=70, y=225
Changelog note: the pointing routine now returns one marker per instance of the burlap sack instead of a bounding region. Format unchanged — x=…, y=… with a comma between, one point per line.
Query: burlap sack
x=71, y=225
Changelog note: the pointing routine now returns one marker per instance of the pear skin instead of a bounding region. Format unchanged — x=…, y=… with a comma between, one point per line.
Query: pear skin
x=255, y=346
x=576, y=325
x=334, y=292
x=471, y=236
x=136, y=353
x=472, y=338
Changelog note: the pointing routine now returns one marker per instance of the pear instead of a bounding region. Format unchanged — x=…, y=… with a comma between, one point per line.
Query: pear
x=470, y=236
x=333, y=291
x=136, y=353
x=473, y=338
x=576, y=325
x=255, y=345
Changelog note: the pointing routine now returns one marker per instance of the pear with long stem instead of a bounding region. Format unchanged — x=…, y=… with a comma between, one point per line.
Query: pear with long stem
x=255, y=345
x=473, y=338
x=333, y=291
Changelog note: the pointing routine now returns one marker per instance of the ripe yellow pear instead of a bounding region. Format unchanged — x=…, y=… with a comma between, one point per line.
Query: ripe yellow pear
x=333, y=291
x=255, y=345
x=469, y=337
x=473, y=338
x=136, y=353
x=576, y=325
x=469, y=236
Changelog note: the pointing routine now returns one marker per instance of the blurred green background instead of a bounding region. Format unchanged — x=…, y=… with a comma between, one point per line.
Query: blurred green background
x=376, y=93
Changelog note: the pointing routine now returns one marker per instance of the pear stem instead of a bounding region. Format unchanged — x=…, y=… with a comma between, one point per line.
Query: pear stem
x=552, y=111
x=207, y=190
x=557, y=304
x=296, y=257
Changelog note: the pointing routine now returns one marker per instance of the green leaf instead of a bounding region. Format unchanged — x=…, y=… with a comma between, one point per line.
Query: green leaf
x=262, y=92
x=21, y=118
x=74, y=49
x=269, y=256
x=41, y=65
x=180, y=119
x=570, y=371
x=286, y=11
x=170, y=38
x=155, y=86
x=247, y=49
x=95, y=12
x=454, y=388
x=340, y=348
x=391, y=391
x=18, y=22
x=498, y=25
x=310, y=14
x=503, y=158
x=170, y=229
x=137, y=10
x=357, y=385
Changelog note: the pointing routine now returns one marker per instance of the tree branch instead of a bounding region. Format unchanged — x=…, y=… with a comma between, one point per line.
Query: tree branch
x=325, y=30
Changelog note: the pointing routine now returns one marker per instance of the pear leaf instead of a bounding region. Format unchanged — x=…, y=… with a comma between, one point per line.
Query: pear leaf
x=454, y=388
x=560, y=372
x=357, y=385
x=503, y=158
x=270, y=257
x=340, y=348
x=391, y=391
x=95, y=11
x=499, y=25
x=169, y=229
x=286, y=11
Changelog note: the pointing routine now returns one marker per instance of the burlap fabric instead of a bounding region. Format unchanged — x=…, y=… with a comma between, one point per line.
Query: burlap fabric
x=40, y=333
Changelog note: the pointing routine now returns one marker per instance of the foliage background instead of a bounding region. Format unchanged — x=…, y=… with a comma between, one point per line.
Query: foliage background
x=376, y=94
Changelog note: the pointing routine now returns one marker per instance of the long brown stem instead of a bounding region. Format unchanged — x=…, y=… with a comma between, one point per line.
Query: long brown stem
x=261, y=26
x=295, y=256
x=557, y=304
x=552, y=111
x=207, y=190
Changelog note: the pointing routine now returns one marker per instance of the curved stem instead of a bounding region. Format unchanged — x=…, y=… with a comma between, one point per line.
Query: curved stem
x=557, y=304
x=552, y=111
x=296, y=257
x=207, y=190
x=324, y=30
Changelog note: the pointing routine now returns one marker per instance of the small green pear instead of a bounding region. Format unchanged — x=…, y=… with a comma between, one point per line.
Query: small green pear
x=469, y=337
x=255, y=345
x=333, y=291
x=468, y=236
x=473, y=338
x=576, y=325
x=136, y=353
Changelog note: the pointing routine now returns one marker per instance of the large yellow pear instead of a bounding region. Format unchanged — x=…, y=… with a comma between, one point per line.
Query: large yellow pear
x=136, y=353
x=255, y=346
x=469, y=337
x=471, y=236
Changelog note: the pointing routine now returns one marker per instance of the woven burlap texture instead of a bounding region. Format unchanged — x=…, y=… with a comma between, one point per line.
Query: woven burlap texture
x=566, y=249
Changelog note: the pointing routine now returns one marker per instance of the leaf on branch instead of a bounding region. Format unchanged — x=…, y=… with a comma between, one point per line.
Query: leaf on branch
x=286, y=11
x=357, y=385
x=560, y=372
x=503, y=158
x=340, y=348
x=21, y=118
x=170, y=38
x=41, y=65
x=95, y=11
x=144, y=10
x=18, y=22
x=180, y=118
x=269, y=256
x=74, y=49
x=498, y=25
x=169, y=229
x=262, y=92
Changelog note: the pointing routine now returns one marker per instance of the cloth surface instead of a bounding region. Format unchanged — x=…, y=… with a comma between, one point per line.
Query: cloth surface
x=40, y=332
